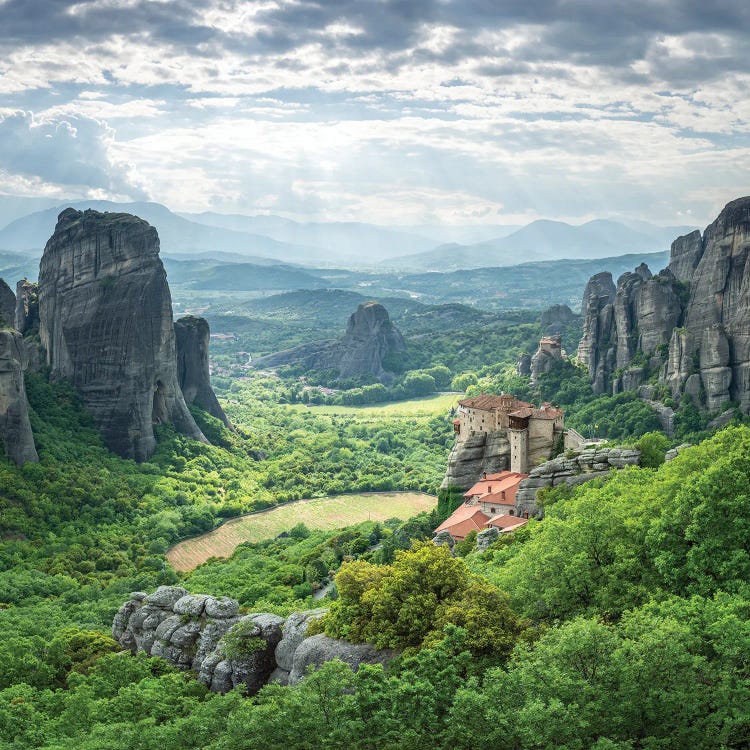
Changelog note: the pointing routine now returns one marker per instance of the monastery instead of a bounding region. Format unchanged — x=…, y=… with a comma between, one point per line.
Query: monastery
x=532, y=432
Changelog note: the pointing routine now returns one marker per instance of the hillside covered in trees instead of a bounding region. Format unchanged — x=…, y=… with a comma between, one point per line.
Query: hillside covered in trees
x=619, y=621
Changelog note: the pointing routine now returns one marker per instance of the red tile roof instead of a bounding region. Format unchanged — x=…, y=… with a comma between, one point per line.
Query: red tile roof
x=523, y=413
x=464, y=519
x=489, y=402
x=498, y=498
x=507, y=523
x=547, y=412
x=499, y=482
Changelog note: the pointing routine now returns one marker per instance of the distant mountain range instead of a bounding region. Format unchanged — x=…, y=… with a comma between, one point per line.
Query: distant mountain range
x=270, y=240
x=177, y=234
x=547, y=240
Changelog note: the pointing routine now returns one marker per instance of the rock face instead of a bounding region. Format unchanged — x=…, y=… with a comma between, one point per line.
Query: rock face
x=692, y=319
x=191, y=341
x=318, y=649
x=640, y=318
x=573, y=468
x=487, y=537
x=27, y=306
x=594, y=349
x=225, y=648
x=106, y=324
x=523, y=364
x=370, y=337
x=545, y=357
x=444, y=539
x=484, y=451
x=7, y=306
x=555, y=318
x=15, y=428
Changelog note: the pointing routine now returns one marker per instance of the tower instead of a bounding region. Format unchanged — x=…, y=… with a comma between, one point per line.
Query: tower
x=519, y=449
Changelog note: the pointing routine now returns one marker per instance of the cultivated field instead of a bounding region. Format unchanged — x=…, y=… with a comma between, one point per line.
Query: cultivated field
x=417, y=407
x=318, y=513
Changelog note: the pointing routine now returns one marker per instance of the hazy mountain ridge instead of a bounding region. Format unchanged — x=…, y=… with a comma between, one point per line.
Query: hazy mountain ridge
x=544, y=240
x=176, y=234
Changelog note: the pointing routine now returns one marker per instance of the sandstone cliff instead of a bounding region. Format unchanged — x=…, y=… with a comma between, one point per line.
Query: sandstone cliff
x=15, y=428
x=106, y=324
x=225, y=648
x=191, y=339
x=573, y=468
x=545, y=357
x=468, y=459
x=690, y=324
x=27, y=306
x=555, y=318
x=369, y=339
x=7, y=306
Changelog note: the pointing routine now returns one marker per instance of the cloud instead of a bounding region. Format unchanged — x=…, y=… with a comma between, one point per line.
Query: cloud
x=362, y=110
x=71, y=152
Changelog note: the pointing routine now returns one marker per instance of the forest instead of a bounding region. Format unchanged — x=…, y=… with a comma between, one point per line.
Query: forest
x=636, y=581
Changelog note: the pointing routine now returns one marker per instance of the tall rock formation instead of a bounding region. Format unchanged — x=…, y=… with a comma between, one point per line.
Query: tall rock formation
x=690, y=322
x=27, y=306
x=555, y=318
x=191, y=338
x=15, y=428
x=7, y=306
x=106, y=324
x=545, y=357
x=369, y=339
x=594, y=349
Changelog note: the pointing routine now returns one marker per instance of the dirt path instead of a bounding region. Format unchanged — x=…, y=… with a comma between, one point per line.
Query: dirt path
x=317, y=513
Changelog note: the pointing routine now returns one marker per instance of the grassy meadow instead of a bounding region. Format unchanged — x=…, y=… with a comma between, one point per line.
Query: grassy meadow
x=317, y=513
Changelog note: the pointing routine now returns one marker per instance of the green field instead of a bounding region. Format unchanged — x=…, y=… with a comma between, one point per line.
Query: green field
x=317, y=513
x=417, y=407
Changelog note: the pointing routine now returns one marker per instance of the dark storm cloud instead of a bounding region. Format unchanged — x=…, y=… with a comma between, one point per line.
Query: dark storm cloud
x=39, y=21
x=613, y=34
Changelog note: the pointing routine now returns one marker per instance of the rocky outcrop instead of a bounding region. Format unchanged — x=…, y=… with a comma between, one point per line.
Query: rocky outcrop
x=106, y=324
x=191, y=341
x=554, y=319
x=643, y=313
x=469, y=458
x=487, y=537
x=15, y=428
x=319, y=649
x=369, y=339
x=7, y=306
x=691, y=319
x=594, y=350
x=293, y=632
x=444, y=539
x=573, y=468
x=523, y=364
x=228, y=649
x=546, y=356
x=27, y=306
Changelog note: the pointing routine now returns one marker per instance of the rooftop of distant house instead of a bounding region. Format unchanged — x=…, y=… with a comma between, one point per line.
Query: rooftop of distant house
x=495, y=484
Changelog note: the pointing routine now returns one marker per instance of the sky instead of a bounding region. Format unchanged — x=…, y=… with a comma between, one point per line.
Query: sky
x=393, y=112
